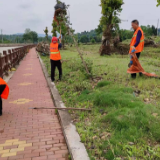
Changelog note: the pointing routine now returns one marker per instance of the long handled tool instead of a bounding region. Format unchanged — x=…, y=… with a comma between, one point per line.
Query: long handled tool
x=80, y=109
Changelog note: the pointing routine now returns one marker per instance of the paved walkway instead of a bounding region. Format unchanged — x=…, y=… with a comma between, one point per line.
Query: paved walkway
x=27, y=134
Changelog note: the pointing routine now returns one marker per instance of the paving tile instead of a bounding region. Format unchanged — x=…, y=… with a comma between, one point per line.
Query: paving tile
x=9, y=154
x=30, y=134
x=17, y=149
x=12, y=140
x=4, y=151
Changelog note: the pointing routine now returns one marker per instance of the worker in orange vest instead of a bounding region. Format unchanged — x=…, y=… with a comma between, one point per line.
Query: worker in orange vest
x=4, y=92
x=55, y=57
x=137, y=43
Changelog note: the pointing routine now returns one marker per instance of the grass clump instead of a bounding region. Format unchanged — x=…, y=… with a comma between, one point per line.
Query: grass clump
x=103, y=83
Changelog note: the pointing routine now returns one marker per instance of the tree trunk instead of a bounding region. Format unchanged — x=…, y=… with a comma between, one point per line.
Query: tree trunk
x=105, y=48
x=63, y=41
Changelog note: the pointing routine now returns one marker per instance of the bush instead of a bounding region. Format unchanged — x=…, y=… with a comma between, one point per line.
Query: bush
x=93, y=40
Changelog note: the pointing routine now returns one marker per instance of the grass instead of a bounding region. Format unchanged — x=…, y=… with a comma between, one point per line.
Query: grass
x=124, y=122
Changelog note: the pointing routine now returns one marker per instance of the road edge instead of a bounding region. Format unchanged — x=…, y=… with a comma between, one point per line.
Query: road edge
x=75, y=146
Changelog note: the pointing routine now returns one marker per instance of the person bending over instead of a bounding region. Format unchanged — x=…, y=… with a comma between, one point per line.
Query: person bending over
x=137, y=42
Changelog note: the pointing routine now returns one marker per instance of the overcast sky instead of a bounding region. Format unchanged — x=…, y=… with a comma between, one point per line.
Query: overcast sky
x=17, y=15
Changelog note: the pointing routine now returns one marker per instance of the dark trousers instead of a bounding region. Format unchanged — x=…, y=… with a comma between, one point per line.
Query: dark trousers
x=134, y=74
x=55, y=64
x=2, y=87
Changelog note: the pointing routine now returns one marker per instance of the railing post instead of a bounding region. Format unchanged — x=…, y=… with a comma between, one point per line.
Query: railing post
x=7, y=61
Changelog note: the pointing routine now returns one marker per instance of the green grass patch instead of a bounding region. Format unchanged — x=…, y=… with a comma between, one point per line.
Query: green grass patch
x=122, y=124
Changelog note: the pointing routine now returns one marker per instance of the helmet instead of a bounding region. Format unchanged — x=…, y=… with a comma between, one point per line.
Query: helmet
x=54, y=40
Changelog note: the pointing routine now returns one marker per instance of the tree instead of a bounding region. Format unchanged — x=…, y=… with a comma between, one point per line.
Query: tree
x=154, y=30
x=59, y=22
x=54, y=24
x=149, y=30
x=125, y=34
x=27, y=30
x=93, y=40
x=26, y=37
x=33, y=36
x=84, y=39
x=110, y=11
x=158, y=3
x=30, y=36
x=46, y=33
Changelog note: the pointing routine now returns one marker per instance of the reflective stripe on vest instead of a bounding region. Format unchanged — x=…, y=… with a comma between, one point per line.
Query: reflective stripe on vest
x=54, y=52
x=135, y=35
x=140, y=42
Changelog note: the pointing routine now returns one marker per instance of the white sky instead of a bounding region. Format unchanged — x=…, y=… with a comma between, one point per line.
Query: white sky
x=17, y=15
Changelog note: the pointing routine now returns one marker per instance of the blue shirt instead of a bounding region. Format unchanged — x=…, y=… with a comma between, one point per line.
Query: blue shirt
x=138, y=39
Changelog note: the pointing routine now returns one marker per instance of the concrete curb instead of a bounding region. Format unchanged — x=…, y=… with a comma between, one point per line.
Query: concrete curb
x=76, y=148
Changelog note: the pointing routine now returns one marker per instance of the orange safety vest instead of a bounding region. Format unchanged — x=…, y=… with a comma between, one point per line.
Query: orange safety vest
x=54, y=52
x=5, y=93
x=140, y=47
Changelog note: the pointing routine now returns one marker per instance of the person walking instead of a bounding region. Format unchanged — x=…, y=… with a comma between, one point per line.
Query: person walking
x=137, y=42
x=55, y=57
x=4, y=92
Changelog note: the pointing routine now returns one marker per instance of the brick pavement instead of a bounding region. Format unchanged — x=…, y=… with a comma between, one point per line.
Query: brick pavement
x=27, y=134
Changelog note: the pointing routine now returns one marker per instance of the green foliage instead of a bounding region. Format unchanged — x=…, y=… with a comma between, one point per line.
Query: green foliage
x=46, y=33
x=93, y=40
x=42, y=39
x=99, y=30
x=158, y=3
x=84, y=39
x=30, y=36
x=54, y=24
x=125, y=34
x=149, y=30
x=110, y=10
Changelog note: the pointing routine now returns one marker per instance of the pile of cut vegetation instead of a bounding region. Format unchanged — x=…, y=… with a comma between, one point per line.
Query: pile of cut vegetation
x=43, y=48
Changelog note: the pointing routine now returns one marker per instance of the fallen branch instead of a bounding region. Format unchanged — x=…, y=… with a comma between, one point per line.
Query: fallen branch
x=80, y=109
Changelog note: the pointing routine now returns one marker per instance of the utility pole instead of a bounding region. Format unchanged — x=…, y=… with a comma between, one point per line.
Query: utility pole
x=157, y=27
x=2, y=35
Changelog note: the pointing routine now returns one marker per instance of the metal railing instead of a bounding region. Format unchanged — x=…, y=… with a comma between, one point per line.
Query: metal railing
x=11, y=58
